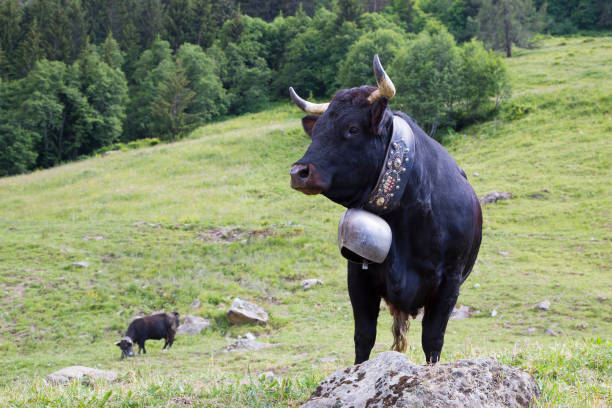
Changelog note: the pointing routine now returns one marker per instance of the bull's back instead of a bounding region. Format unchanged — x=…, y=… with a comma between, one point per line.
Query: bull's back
x=150, y=327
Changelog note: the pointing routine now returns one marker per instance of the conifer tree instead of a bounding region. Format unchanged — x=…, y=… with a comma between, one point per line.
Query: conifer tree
x=170, y=107
x=30, y=50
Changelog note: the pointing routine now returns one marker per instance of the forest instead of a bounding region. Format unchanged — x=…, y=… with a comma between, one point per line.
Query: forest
x=78, y=77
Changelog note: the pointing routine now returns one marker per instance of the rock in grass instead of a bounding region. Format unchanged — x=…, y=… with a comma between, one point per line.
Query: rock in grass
x=246, y=344
x=543, y=305
x=79, y=373
x=391, y=380
x=242, y=311
x=309, y=283
x=461, y=312
x=80, y=264
x=193, y=325
x=495, y=196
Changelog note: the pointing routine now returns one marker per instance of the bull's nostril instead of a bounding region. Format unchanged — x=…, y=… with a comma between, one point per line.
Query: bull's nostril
x=303, y=173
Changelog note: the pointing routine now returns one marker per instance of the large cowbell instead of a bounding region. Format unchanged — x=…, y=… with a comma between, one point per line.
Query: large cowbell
x=363, y=237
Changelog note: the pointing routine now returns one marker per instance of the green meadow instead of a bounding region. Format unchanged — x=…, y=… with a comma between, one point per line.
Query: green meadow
x=213, y=218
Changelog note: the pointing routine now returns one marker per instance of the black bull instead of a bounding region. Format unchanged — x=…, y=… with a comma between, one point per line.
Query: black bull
x=436, y=229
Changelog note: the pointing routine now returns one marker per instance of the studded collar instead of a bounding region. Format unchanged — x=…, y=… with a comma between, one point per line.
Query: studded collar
x=386, y=195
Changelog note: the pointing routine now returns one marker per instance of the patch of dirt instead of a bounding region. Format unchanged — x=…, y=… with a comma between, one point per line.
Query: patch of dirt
x=227, y=234
x=182, y=401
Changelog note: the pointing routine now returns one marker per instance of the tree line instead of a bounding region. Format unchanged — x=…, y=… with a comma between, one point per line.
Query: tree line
x=79, y=75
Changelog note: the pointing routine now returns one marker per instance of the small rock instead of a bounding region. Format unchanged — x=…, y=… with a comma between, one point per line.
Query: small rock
x=493, y=313
x=328, y=359
x=242, y=311
x=536, y=196
x=267, y=376
x=80, y=373
x=476, y=174
x=543, y=305
x=80, y=264
x=309, y=283
x=476, y=285
x=531, y=330
x=503, y=253
x=551, y=332
x=195, y=304
x=246, y=345
x=193, y=325
x=110, y=152
x=461, y=312
x=248, y=336
x=581, y=326
x=93, y=237
x=601, y=298
x=495, y=196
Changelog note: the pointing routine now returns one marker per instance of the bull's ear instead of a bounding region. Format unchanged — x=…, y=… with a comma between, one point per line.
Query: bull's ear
x=308, y=123
x=378, y=110
x=118, y=344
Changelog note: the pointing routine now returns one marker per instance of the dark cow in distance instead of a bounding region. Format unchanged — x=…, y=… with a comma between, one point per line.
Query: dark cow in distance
x=436, y=226
x=153, y=327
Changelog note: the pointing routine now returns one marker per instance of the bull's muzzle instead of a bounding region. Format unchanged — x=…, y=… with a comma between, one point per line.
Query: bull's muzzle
x=305, y=178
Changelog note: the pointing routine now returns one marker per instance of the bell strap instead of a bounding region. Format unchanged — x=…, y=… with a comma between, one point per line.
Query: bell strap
x=387, y=194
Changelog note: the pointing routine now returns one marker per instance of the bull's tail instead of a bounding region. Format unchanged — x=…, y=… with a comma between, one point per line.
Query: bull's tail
x=400, y=327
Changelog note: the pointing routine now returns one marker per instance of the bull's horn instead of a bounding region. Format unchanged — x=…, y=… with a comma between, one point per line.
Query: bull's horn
x=385, y=86
x=308, y=107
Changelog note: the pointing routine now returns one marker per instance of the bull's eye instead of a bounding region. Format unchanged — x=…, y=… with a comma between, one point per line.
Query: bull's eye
x=353, y=130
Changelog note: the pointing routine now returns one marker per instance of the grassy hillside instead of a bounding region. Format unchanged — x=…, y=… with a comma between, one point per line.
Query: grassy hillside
x=213, y=218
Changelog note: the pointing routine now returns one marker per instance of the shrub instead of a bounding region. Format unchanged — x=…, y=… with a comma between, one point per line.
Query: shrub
x=443, y=85
x=356, y=69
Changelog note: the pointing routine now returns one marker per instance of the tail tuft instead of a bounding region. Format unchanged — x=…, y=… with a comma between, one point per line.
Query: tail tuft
x=399, y=329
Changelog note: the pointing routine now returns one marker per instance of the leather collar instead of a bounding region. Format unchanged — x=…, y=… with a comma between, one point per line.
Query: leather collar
x=388, y=191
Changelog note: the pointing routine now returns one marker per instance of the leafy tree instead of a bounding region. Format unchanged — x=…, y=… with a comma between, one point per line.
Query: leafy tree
x=425, y=75
x=17, y=153
x=209, y=100
x=369, y=22
x=248, y=85
x=356, y=69
x=507, y=22
x=106, y=91
x=169, y=108
x=54, y=108
x=152, y=68
x=349, y=10
x=311, y=61
x=482, y=81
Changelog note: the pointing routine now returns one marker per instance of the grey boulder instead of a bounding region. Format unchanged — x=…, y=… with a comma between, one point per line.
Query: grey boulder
x=193, y=325
x=242, y=311
x=391, y=380
x=79, y=373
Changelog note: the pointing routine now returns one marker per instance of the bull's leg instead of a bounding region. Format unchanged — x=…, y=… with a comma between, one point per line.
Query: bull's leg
x=171, y=340
x=436, y=317
x=166, y=341
x=366, y=305
x=144, y=350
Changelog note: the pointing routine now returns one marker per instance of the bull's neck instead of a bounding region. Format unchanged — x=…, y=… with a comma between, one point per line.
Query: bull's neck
x=395, y=173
